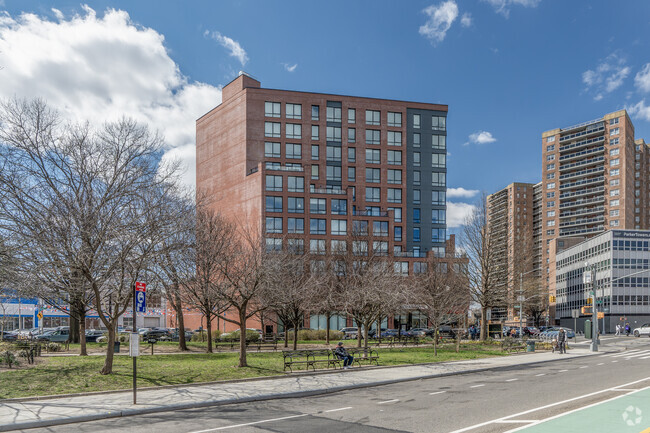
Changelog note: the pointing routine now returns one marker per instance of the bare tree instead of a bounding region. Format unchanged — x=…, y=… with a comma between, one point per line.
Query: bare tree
x=327, y=300
x=88, y=203
x=479, y=240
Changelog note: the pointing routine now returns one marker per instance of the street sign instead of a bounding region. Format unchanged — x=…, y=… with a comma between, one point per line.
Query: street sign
x=140, y=298
x=488, y=314
x=601, y=315
x=134, y=344
x=575, y=314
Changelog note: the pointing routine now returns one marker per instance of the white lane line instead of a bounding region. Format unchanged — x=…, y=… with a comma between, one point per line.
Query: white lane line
x=475, y=426
x=645, y=357
x=645, y=352
x=562, y=371
x=516, y=421
x=585, y=366
x=614, y=361
x=624, y=389
x=477, y=386
x=511, y=380
x=336, y=410
x=437, y=392
x=600, y=363
x=389, y=401
x=629, y=353
x=541, y=374
x=251, y=423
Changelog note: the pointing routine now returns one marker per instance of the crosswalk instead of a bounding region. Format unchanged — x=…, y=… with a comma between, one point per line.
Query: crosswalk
x=630, y=354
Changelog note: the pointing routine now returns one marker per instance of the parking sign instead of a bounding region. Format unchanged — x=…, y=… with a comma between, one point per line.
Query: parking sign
x=140, y=297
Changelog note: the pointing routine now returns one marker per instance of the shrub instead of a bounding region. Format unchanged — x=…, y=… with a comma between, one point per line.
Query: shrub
x=9, y=359
x=123, y=338
x=54, y=347
x=234, y=336
x=216, y=334
x=200, y=336
x=316, y=334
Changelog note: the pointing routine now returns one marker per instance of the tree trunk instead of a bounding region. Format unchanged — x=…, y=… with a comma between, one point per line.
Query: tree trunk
x=295, y=335
x=435, y=341
x=208, y=325
x=358, y=334
x=483, y=323
x=458, y=341
x=74, y=326
x=328, y=316
x=242, y=337
x=180, y=321
x=365, y=336
x=82, y=333
x=108, y=362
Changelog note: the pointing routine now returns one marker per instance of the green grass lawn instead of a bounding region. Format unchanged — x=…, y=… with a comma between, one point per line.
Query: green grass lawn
x=63, y=375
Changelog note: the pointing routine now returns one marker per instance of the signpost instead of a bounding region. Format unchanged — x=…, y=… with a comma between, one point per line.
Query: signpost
x=575, y=314
x=139, y=306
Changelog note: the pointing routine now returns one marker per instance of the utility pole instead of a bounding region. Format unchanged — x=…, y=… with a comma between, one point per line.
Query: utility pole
x=589, y=276
x=521, y=300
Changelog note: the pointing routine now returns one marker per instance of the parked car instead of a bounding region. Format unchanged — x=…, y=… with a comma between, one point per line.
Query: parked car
x=553, y=331
x=56, y=336
x=373, y=332
x=417, y=332
x=9, y=336
x=531, y=331
x=92, y=335
x=388, y=333
x=350, y=333
x=642, y=330
x=160, y=334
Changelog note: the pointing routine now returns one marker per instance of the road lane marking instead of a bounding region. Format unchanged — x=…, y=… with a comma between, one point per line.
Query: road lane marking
x=336, y=410
x=515, y=421
x=562, y=371
x=251, y=423
x=614, y=361
x=623, y=389
x=541, y=374
x=585, y=366
x=437, y=392
x=642, y=353
x=511, y=380
x=475, y=426
x=389, y=401
x=477, y=386
x=600, y=363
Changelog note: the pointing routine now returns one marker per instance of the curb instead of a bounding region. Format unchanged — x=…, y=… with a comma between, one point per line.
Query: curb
x=212, y=403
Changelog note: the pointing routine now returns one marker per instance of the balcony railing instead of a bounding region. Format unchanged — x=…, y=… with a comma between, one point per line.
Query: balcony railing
x=370, y=213
x=328, y=191
x=568, y=232
x=582, y=143
x=588, y=191
x=284, y=168
x=582, y=134
x=583, y=221
x=571, y=156
x=580, y=125
x=570, y=204
x=584, y=182
x=585, y=163
x=598, y=209
x=583, y=172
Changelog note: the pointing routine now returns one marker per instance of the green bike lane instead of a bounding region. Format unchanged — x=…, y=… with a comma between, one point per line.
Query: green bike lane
x=628, y=413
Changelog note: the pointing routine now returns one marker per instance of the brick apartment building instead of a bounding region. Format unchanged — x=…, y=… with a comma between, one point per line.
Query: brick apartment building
x=310, y=167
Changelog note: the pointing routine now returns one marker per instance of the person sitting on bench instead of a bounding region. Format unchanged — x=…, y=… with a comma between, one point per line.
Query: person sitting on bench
x=343, y=355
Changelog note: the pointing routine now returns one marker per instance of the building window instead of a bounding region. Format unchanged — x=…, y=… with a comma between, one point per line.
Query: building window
x=550, y=204
x=394, y=195
x=317, y=246
x=296, y=184
x=338, y=246
x=614, y=202
x=613, y=131
x=394, y=176
x=395, y=119
x=614, y=182
x=614, y=213
x=614, y=162
x=272, y=150
x=438, y=123
x=550, y=194
x=416, y=121
x=613, y=141
x=352, y=174
x=334, y=114
x=614, y=152
x=314, y=151
x=373, y=194
x=550, y=148
x=394, y=138
x=550, y=233
x=373, y=175
x=438, y=197
x=438, y=235
x=416, y=139
x=272, y=129
x=416, y=216
x=315, y=132
x=550, y=223
x=438, y=160
x=613, y=121
x=273, y=183
x=317, y=205
x=294, y=151
x=293, y=130
x=296, y=225
x=339, y=227
x=273, y=225
x=333, y=153
x=416, y=234
x=397, y=234
x=334, y=133
x=296, y=204
x=352, y=115
x=550, y=166
x=380, y=228
x=550, y=214
x=614, y=192
x=273, y=244
x=360, y=227
x=550, y=175
x=438, y=216
x=380, y=248
x=373, y=136
x=395, y=157
x=373, y=156
x=550, y=185
x=550, y=157
x=296, y=246
x=352, y=154
x=294, y=111
x=273, y=204
x=416, y=159
x=438, y=179
x=315, y=112
x=334, y=173
x=438, y=142
x=397, y=213
x=317, y=226
x=339, y=207
x=272, y=109
x=416, y=196
x=416, y=177
x=314, y=172
x=372, y=117
x=419, y=267
x=614, y=223
x=352, y=135
x=550, y=139
x=614, y=172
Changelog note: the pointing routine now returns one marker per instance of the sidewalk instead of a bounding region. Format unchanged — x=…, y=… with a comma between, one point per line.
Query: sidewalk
x=40, y=413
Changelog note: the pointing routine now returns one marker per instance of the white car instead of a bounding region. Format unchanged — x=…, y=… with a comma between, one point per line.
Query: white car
x=642, y=330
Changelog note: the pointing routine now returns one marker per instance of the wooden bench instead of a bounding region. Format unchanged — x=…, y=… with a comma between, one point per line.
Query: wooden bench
x=364, y=355
x=309, y=358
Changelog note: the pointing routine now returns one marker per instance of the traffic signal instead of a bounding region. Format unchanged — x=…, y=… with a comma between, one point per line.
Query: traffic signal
x=589, y=301
x=586, y=310
x=551, y=298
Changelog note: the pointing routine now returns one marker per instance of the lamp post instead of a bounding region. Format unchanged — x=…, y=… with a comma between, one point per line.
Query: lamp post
x=589, y=276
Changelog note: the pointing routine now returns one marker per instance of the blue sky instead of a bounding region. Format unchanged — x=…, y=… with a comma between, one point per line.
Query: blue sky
x=508, y=69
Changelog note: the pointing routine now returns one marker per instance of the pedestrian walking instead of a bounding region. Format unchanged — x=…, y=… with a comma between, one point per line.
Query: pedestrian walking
x=627, y=329
x=343, y=355
x=618, y=329
x=561, y=340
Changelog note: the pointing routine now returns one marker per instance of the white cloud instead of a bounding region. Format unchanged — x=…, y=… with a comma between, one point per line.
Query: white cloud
x=461, y=192
x=642, y=78
x=441, y=17
x=503, y=6
x=608, y=76
x=290, y=68
x=466, y=20
x=639, y=110
x=99, y=69
x=481, y=137
x=457, y=213
x=228, y=43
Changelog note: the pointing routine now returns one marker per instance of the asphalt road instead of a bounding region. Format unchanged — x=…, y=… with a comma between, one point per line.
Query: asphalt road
x=486, y=402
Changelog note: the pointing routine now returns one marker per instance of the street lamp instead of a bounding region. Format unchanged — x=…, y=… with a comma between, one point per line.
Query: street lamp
x=589, y=276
